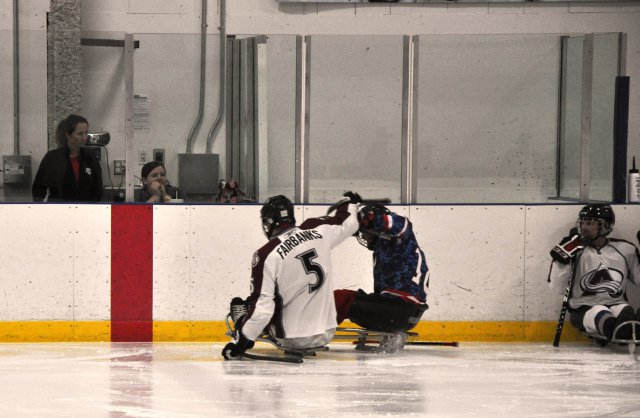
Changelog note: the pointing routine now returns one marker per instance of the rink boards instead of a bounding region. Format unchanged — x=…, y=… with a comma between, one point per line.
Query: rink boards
x=167, y=272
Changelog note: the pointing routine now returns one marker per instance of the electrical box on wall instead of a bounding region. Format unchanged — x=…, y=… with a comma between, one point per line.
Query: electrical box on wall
x=119, y=167
x=17, y=169
x=198, y=174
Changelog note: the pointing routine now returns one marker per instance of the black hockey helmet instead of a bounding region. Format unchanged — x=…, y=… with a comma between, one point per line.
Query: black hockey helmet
x=277, y=211
x=369, y=214
x=370, y=230
x=602, y=213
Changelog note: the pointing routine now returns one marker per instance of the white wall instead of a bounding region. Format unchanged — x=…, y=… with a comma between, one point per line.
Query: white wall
x=487, y=263
x=56, y=262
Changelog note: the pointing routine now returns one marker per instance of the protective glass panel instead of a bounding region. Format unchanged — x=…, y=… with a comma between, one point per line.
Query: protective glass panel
x=21, y=156
x=487, y=118
x=570, y=127
x=102, y=104
x=605, y=70
x=6, y=105
x=167, y=94
x=279, y=167
x=355, y=116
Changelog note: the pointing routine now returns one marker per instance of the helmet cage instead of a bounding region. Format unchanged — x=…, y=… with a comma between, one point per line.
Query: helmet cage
x=367, y=240
x=604, y=228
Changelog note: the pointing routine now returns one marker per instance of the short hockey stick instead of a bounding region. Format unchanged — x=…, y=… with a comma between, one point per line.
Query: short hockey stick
x=250, y=356
x=565, y=301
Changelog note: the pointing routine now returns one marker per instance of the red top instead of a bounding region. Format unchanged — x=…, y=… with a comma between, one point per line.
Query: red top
x=75, y=164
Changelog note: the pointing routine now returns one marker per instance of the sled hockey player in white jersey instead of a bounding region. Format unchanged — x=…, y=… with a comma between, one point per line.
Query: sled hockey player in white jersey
x=291, y=279
x=598, y=270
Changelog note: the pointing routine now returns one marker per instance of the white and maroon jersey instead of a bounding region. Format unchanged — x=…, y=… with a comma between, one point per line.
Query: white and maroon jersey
x=291, y=281
x=602, y=274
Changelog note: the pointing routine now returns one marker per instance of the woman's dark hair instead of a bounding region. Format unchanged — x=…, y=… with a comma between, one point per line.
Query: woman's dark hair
x=66, y=127
x=149, y=167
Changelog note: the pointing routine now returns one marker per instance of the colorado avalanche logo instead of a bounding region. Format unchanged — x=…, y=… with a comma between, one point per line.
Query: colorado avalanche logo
x=255, y=260
x=603, y=280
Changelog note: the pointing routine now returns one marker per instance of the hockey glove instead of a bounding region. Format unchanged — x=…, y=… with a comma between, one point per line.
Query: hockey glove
x=235, y=349
x=349, y=197
x=569, y=246
x=353, y=197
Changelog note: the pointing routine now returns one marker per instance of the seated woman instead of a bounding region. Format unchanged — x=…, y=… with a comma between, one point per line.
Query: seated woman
x=156, y=187
x=400, y=275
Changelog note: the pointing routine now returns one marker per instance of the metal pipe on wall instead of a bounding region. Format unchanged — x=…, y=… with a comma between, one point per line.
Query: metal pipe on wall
x=203, y=70
x=223, y=56
x=16, y=81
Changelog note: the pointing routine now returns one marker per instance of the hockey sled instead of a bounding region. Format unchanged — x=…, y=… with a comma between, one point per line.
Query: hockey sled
x=374, y=341
x=630, y=343
x=290, y=355
x=382, y=341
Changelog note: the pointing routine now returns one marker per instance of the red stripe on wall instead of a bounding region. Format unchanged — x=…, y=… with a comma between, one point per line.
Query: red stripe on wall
x=131, y=273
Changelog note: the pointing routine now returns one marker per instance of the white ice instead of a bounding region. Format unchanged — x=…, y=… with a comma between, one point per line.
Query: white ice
x=191, y=380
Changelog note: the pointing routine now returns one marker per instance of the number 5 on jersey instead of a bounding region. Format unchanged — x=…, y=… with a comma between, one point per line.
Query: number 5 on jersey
x=312, y=268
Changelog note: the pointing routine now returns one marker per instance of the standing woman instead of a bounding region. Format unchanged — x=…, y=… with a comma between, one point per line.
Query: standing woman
x=69, y=173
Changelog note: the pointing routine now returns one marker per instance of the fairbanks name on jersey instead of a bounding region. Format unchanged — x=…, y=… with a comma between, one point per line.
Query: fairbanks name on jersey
x=293, y=239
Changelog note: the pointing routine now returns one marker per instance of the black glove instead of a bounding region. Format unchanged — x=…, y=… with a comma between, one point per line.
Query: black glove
x=353, y=197
x=568, y=247
x=235, y=349
x=349, y=197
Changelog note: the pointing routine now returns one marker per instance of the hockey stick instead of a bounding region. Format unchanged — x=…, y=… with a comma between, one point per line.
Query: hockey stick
x=381, y=201
x=423, y=343
x=438, y=343
x=565, y=301
x=296, y=360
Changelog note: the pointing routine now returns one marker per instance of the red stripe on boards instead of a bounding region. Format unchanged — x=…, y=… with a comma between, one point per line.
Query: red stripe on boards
x=131, y=273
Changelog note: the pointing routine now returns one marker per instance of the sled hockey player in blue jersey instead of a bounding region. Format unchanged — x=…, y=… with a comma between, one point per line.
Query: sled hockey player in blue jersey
x=400, y=274
x=599, y=269
x=291, y=302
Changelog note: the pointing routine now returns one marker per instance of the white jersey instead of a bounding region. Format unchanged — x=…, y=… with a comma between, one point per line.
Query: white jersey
x=291, y=280
x=602, y=274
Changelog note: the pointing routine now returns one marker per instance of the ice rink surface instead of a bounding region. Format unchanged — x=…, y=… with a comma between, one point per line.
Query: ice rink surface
x=191, y=380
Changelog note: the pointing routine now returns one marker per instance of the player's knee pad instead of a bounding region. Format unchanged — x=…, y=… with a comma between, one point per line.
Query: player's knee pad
x=594, y=319
x=383, y=314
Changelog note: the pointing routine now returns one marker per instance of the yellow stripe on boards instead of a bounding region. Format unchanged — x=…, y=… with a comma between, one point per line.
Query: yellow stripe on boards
x=494, y=331
x=191, y=331
x=214, y=331
x=55, y=331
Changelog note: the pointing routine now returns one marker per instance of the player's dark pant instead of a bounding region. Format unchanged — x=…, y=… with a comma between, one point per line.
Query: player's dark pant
x=376, y=312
